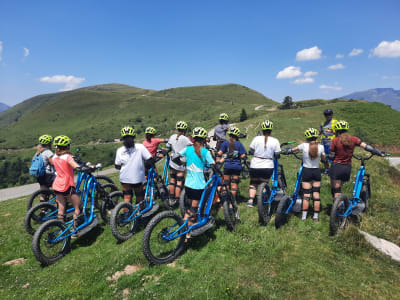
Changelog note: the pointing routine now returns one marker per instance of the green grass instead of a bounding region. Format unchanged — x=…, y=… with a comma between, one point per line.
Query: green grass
x=300, y=260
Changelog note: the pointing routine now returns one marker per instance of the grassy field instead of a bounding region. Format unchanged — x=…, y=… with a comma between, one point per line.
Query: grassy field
x=299, y=260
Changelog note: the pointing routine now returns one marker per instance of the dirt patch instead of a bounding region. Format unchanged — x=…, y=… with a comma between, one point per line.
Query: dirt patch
x=7, y=214
x=125, y=293
x=150, y=278
x=17, y=261
x=26, y=285
x=174, y=265
x=389, y=148
x=127, y=271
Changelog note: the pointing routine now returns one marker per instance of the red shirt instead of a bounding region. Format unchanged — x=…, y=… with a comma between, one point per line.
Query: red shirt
x=343, y=154
x=65, y=175
x=153, y=145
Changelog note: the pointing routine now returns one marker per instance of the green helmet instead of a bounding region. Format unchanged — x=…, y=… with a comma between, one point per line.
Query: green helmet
x=224, y=117
x=181, y=125
x=45, y=139
x=128, y=131
x=62, y=140
x=234, y=131
x=199, y=132
x=311, y=133
x=267, y=125
x=341, y=125
x=150, y=130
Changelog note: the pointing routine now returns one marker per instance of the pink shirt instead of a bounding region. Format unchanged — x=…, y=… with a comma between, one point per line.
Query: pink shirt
x=153, y=145
x=65, y=175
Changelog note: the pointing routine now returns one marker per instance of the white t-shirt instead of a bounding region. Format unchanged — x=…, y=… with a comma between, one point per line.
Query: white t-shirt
x=307, y=161
x=264, y=157
x=132, y=163
x=177, y=144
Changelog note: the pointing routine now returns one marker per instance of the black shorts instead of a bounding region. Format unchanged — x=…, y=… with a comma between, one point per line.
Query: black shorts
x=265, y=173
x=232, y=172
x=69, y=192
x=46, y=179
x=134, y=185
x=311, y=174
x=193, y=194
x=340, y=172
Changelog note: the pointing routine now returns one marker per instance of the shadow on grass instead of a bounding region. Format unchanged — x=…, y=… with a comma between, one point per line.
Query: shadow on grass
x=88, y=239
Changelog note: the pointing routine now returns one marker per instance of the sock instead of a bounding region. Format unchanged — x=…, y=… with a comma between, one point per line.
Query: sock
x=315, y=215
x=304, y=215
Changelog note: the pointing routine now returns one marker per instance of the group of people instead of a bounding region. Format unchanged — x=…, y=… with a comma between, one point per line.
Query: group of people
x=134, y=159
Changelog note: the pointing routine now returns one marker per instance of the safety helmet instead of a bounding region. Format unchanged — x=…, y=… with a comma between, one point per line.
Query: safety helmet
x=311, y=133
x=199, y=132
x=45, y=139
x=150, y=130
x=181, y=125
x=341, y=125
x=127, y=131
x=224, y=117
x=328, y=112
x=234, y=131
x=62, y=140
x=267, y=125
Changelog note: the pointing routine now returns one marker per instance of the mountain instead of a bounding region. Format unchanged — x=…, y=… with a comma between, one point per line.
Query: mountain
x=97, y=113
x=3, y=107
x=387, y=96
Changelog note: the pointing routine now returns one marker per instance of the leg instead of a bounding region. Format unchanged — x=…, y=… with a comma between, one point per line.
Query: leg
x=76, y=202
x=43, y=187
x=306, y=198
x=61, y=205
x=127, y=192
x=139, y=193
x=180, y=178
x=336, y=186
x=172, y=182
x=252, y=191
x=234, y=184
x=316, y=198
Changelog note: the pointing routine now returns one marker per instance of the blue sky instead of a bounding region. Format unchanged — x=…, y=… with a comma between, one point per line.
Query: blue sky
x=165, y=44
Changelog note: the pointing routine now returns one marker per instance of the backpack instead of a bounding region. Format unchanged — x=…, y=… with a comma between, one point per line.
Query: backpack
x=37, y=168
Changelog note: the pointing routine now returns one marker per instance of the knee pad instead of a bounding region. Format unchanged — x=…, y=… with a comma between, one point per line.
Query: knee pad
x=227, y=182
x=127, y=193
x=180, y=178
x=178, y=186
x=237, y=181
x=254, y=182
x=307, y=191
x=172, y=184
x=192, y=213
x=173, y=176
x=336, y=191
x=234, y=190
x=306, y=198
x=316, y=189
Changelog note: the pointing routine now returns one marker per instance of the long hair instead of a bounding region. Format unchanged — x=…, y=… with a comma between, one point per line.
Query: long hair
x=42, y=147
x=198, y=144
x=313, y=149
x=344, y=137
x=180, y=132
x=129, y=141
x=61, y=150
x=266, y=134
x=149, y=136
x=232, y=140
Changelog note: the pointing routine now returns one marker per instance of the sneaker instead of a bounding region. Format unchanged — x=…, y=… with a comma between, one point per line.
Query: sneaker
x=250, y=203
x=316, y=220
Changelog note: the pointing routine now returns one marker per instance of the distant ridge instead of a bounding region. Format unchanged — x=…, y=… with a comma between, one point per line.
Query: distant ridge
x=387, y=96
x=3, y=107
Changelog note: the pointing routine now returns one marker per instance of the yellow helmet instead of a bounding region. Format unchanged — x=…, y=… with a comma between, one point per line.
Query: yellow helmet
x=341, y=125
x=267, y=125
x=224, y=117
x=181, y=125
x=45, y=139
x=199, y=132
x=311, y=133
x=150, y=130
x=62, y=140
x=234, y=131
x=128, y=131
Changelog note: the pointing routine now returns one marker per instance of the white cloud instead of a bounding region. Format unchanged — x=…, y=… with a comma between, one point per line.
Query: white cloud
x=1, y=49
x=26, y=52
x=390, y=77
x=71, y=82
x=289, y=72
x=303, y=80
x=339, y=55
x=336, y=67
x=356, y=52
x=328, y=87
x=387, y=49
x=309, y=54
x=310, y=73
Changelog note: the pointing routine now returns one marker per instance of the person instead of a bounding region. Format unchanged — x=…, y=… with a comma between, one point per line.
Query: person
x=44, y=149
x=63, y=184
x=341, y=152
x=232, y=151
x=326, y=130
x=311, y=176
x=262, y=164
x=131, y=160
x=197, y=157
x=220, y=130
x=151, y=143
x=176, y=143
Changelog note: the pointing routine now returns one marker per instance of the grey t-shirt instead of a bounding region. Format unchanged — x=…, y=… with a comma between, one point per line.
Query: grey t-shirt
x=46, y=154
x=177, y=144
x=220, y=131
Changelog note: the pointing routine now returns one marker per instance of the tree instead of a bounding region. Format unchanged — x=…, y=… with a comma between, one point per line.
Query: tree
x=243, y=115
x=287, y=103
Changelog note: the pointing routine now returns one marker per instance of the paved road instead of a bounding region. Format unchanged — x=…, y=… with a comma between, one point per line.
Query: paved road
x=24, y=190
x=394, y=162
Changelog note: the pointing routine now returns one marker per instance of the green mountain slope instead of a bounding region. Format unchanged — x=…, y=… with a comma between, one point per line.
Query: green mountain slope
x=98, y=112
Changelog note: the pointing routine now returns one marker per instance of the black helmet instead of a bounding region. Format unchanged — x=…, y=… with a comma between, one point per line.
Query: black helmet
x=328, y=112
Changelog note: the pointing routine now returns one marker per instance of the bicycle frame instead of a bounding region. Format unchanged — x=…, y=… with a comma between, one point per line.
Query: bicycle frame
x=275, y=187
x=295, y=194
x=166, y=170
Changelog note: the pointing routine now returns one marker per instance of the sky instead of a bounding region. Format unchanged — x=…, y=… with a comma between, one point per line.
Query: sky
x=303, y=49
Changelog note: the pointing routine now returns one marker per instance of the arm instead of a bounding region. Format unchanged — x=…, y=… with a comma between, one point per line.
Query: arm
x=371, y=149
x=73, y=163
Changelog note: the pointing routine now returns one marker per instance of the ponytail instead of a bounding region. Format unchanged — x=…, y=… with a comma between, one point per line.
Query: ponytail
x=313, y=149
x=266, y=134
x=198, y=143
x=345, y=139
x=232, y=141
x=129, y=142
